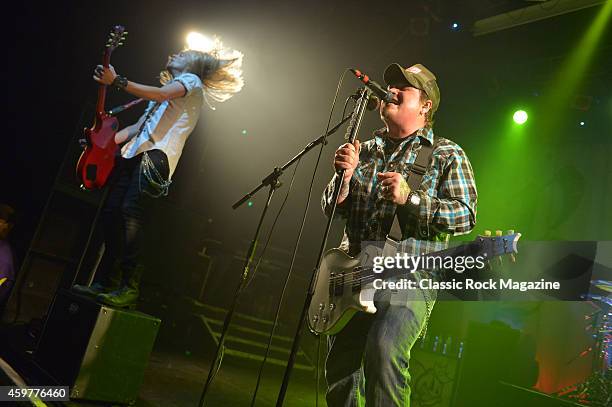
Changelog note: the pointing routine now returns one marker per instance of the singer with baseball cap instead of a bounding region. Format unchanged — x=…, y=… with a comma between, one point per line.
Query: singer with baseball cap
x=369, y=358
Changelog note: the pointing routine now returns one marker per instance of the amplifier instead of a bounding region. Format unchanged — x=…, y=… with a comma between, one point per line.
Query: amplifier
x=98, y=351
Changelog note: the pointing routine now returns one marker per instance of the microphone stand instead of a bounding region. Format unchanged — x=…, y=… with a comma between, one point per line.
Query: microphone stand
x=351, y=132
x=272, y=181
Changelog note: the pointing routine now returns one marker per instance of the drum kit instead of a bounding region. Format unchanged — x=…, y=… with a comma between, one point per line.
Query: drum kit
x=596, y=390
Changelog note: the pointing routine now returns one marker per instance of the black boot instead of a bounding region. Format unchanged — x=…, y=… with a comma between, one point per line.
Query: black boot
x=126, y=295
x=91, y=290
x=111, y=283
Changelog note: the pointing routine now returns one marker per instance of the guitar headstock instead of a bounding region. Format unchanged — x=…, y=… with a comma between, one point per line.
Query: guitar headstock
x=499, y=245
x=116, y=37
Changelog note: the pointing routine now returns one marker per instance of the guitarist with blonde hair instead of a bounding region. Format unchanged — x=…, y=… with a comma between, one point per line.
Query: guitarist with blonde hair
x=150, y=153
x=368, y=359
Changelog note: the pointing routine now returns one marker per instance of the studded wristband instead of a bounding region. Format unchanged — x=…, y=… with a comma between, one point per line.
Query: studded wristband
x=120, y=82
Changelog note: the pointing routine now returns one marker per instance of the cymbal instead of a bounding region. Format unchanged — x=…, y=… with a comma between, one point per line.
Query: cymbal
x=603, y=285
x=591, y=297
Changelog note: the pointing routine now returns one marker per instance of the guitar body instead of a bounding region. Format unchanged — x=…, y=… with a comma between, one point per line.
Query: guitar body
x=98, y=158
x=337, y=295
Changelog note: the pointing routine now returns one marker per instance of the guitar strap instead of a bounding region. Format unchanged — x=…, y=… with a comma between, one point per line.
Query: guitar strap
x=415, y=176
x=394, y=237
x=150, y=113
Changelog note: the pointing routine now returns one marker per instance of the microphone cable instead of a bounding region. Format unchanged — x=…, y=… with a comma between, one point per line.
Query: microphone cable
x=296, y=247
x=280, y=210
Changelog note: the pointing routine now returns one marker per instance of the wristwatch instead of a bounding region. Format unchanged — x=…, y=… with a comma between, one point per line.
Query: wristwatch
x=414, y=198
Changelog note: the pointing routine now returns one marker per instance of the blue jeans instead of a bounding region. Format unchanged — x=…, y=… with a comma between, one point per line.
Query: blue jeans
x=368, y=360
x=123, y=214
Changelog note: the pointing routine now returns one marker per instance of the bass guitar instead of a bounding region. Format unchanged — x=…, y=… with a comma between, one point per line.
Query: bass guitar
x=98, y=157
x=345, y=286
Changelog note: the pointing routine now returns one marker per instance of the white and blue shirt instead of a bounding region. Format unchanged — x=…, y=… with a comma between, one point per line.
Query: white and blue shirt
x=170, y=124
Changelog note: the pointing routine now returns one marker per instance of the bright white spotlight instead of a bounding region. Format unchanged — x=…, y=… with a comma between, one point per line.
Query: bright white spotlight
x=199, y=42
x=520, y=117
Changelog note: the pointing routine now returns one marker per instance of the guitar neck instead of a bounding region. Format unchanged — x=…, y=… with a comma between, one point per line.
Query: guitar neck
x=473, y=249
x=468, y=249
x=101, y=102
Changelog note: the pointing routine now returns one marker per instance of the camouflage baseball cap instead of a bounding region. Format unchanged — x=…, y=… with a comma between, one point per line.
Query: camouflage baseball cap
x=418, y=76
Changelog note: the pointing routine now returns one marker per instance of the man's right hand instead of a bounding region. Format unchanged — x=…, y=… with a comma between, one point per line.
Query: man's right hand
x=347, y=158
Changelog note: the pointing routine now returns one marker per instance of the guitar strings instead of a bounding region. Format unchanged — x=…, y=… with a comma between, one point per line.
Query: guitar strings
x=368, y=278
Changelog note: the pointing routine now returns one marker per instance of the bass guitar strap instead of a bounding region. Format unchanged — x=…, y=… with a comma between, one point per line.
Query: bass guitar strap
x=415, y=177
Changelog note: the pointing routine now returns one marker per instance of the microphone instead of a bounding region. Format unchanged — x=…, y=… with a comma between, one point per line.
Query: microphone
x=373, y=103
x=378, y=90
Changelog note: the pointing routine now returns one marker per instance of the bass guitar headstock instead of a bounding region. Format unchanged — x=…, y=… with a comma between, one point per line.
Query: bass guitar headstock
x=500, y=244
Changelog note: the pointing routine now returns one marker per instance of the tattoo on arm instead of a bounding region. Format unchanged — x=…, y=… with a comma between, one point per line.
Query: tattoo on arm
x=404, y=190
x=344, y=191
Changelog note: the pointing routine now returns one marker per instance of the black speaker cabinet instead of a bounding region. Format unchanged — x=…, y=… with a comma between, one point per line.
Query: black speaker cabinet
x=98, y=351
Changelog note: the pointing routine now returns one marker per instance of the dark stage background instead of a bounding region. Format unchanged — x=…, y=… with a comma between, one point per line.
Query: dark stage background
x=550, y=180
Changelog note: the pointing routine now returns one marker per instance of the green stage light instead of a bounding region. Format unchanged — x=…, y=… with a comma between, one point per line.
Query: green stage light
x=572, y=70
x=520, y=117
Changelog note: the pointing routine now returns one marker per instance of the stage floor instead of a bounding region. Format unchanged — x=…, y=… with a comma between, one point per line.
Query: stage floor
x=177, y=380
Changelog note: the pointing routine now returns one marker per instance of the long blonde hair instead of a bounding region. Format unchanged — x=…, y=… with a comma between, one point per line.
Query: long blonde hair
x=220, y=70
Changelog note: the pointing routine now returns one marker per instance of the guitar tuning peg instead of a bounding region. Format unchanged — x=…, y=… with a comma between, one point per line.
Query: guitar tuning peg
x=487, y=233
x=125, y=32
x=498, y=233
x=120, y=43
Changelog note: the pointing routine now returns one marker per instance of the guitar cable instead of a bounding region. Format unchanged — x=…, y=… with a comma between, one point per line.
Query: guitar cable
x=270, y=233
x=295, y=249
x=318, y=367
x=263, y=252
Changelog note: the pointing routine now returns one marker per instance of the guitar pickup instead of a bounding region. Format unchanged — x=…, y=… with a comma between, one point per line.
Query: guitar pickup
x=91, y=170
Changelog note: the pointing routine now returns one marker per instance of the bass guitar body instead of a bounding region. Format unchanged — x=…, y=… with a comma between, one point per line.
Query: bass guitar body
x=345, y=284
x=338, y=293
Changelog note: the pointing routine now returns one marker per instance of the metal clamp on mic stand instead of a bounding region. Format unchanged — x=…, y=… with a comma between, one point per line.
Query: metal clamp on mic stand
x=272, y=181
x=351, y=134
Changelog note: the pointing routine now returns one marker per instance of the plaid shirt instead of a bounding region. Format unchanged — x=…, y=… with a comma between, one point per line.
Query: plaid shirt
x=448, y=196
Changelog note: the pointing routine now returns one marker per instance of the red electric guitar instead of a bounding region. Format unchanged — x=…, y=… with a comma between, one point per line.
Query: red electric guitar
x=98, y=157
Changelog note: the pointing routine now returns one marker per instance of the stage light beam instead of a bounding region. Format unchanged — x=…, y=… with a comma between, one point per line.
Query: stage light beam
x=573, y=69
x=199, y=42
